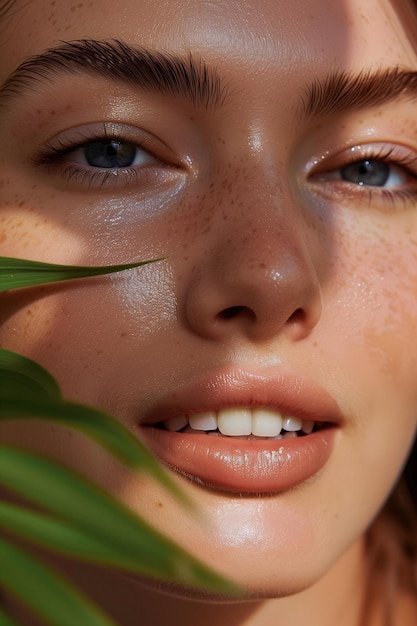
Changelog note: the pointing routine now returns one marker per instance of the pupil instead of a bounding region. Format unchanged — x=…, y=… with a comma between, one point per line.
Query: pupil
x=367, y=172
x=111, y=150
x=109, y=154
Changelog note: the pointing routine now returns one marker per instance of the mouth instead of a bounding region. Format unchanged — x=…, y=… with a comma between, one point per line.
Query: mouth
x=246, y=434
x=245, y=423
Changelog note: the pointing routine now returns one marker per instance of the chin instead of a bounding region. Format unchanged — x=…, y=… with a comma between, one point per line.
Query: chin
x=264, y=589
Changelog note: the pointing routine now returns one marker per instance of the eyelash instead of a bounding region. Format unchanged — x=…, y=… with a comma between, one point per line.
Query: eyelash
x=389, y=156
x=56, y=150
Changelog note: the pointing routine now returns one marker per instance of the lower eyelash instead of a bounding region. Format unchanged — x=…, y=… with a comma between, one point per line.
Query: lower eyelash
x=393, y=197
x=388, y=200
x=90, y=178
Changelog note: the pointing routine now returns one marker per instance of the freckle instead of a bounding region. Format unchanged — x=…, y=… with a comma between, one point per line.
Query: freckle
x=123, y=335
x=160, y=505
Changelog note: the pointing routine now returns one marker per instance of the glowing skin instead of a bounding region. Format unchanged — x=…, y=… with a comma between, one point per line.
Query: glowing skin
x=316, y=277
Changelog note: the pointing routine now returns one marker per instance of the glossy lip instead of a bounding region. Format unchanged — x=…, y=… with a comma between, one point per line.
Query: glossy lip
x=237, y=465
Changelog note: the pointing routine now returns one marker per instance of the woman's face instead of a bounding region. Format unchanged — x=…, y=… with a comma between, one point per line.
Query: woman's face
x=268, y=150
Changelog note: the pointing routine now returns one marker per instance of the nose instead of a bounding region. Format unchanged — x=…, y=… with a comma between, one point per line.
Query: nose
x=255, y=278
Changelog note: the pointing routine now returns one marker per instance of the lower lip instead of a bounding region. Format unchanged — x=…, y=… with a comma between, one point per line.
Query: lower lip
x=244, y=466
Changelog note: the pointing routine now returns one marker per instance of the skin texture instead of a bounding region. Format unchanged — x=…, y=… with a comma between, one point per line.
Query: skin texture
x=244, y=204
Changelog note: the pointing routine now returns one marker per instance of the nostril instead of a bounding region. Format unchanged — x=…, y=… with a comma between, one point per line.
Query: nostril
x=236, y=311
x=298, y=316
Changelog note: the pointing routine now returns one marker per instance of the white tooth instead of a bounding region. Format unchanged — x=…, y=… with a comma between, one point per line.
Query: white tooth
x=307, y=426
x=203, y=421
x=190, y=430
x=292, y=423
x=235, y=422
x=176, y=423
x=289, y=435
x=266, y=423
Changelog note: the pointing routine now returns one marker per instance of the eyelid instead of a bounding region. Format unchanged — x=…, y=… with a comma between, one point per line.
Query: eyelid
x=170, y=169
x=70, y=140
x=318, y=174
x=394, y=154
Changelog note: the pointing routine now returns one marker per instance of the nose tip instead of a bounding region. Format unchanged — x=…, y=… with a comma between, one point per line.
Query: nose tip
x=258, y=291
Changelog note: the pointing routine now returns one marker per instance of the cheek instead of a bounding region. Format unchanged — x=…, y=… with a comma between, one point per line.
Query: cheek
x=370, y=306
x=369, y=321
x=63, y=326
x=98, y=337
x=28, y=231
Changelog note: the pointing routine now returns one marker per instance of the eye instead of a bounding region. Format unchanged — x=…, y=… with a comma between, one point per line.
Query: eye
x=110, y=154
x=371, y=175
x=373, y=172
x=370, y=165
x=106, y=156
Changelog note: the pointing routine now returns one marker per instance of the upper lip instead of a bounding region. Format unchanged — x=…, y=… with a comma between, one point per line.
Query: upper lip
x=286, y=392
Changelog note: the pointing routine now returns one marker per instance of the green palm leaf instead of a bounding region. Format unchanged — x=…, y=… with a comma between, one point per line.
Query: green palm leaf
x=16, y=371
x=5, y=620
x=28, y=391
x=45, y=591
x=90, y=523
x=18, y=273
x=80, y=519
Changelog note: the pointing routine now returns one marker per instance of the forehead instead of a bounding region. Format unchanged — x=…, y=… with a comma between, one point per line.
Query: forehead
x=304, y=36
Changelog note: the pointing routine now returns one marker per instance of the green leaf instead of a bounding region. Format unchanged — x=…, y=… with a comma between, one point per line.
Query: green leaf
x=18, y=273
x=91, y=510
x=90, y=523
x=64, y=537
x=5, y=620
x=17, y=370
x=27, y=391
x=99, y=426
x=45, y=591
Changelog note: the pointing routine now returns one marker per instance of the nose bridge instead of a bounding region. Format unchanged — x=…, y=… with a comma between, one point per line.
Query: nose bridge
x=261, y=225
x=255, y=273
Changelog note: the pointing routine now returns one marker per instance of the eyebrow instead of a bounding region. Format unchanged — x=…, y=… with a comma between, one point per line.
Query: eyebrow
x=184, y=75
x=343, y=91
x=149, y=70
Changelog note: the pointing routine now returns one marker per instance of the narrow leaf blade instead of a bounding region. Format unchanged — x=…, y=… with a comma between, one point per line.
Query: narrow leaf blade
x=18, y=273
x=28, y=391
x=74, y=500
x=66, y=538
x=104, y=429
x=44, y=591
x=18, y=372
x=5, y=620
